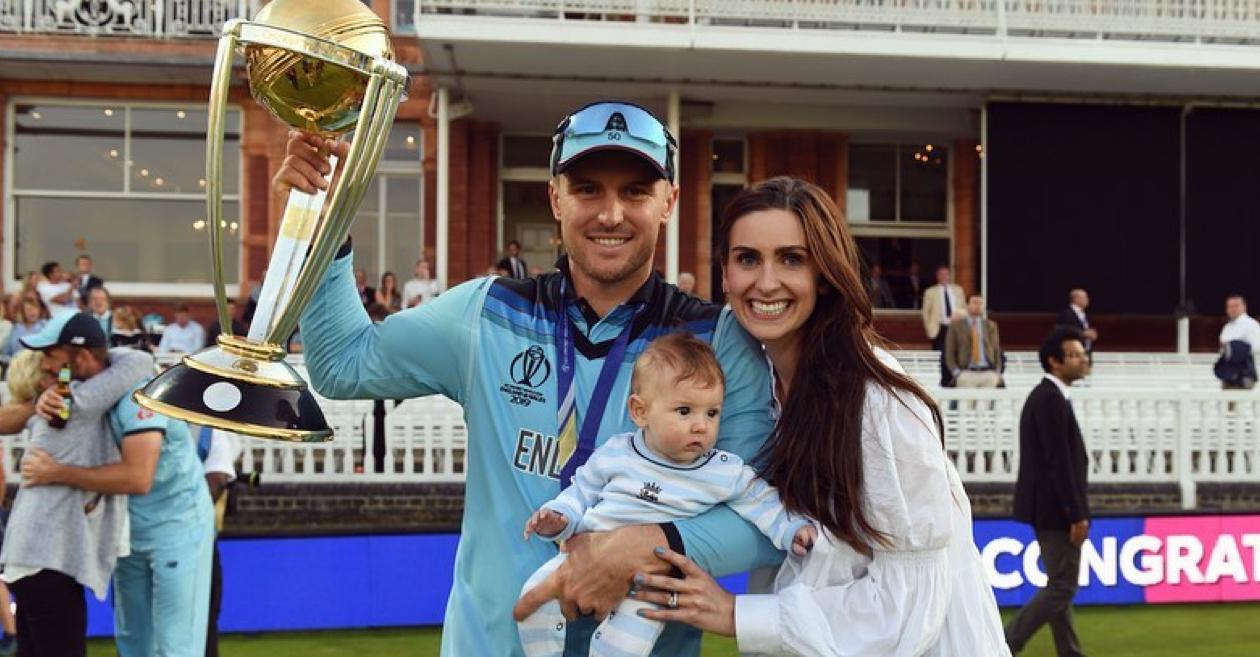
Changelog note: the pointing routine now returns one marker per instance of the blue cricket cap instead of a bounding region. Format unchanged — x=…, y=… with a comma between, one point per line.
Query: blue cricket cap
x=613, y=126
x=68, y=330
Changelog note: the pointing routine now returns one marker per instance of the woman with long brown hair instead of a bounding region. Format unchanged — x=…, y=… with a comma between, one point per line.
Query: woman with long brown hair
x=858, y=448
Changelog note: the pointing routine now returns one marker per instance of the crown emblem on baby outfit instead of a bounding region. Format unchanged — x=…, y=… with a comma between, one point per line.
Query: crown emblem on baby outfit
x=651, y=492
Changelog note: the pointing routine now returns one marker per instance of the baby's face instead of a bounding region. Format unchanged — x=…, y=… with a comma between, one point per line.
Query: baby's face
x=679, y=418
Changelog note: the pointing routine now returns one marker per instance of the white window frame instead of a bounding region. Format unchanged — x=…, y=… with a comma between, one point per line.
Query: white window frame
x=117, y=288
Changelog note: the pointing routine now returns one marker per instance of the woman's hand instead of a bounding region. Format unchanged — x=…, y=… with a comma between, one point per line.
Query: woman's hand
x=698, y=600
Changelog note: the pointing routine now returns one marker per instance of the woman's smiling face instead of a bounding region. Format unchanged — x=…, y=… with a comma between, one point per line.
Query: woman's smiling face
x=770, y=277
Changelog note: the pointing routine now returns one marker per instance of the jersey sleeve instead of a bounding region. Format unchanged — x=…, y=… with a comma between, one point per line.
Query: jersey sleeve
x=718, y=540
x=421, y=351
x=129, y=418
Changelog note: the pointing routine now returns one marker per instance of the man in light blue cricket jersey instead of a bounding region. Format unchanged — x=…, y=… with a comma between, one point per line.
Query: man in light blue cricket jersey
x=542, y=368
x=162, y=589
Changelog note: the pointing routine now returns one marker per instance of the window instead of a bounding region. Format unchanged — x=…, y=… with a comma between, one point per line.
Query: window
x=387, y=232
x=524, y=206
x=897, y=206
x=124, y=183
x=898, y=183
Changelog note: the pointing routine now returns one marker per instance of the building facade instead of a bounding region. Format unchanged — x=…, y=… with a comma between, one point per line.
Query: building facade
x=1031, y=146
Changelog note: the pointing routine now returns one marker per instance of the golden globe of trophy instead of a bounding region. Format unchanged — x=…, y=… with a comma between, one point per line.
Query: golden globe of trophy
x=324, y=67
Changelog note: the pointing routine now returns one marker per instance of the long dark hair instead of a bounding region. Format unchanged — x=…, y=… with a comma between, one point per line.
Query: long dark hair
x=817, y=464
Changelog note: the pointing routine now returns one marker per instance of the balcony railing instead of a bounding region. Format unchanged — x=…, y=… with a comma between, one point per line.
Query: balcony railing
x=142, y=18
x=1196, y=21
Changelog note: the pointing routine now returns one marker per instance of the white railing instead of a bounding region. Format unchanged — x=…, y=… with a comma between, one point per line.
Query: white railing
x=1175, y=435
x=1133, y=436
x=144, y=18
x=1136, y=370
x=1172, y=20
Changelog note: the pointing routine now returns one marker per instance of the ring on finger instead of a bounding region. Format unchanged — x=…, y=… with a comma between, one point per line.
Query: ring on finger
x=672, y=603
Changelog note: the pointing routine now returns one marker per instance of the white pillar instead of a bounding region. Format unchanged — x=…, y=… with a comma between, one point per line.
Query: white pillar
x=1183, y=335
x=674, y=118
x=441, y=264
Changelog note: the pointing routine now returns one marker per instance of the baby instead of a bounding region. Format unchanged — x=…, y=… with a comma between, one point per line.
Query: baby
x=667, y=470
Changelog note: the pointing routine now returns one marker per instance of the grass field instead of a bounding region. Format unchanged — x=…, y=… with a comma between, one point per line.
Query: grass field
x=1155, y=631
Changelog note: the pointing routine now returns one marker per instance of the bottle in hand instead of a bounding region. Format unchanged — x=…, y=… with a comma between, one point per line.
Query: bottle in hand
x=63, y=388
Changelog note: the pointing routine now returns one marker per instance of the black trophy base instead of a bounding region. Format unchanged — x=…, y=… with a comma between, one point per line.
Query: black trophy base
x=241, y=406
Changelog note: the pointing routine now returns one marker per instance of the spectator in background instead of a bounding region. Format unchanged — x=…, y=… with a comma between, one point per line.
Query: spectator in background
x=513, y=265
x=218, y=450
x=184, y=335
x=687, y=283
x=56, y=291
x=99, y=306
x=1240, y=344
x=84, y=279
x=914, y=282
x=238, y=327
x=881, y=293
x=387, y=295
x=1074, y=316
x=127, y=330
x=1051, y=493
x=29, y=285
x=422, y=288
x=942, y=304
x=31, y=321
x=367, y=294
x=973, y=350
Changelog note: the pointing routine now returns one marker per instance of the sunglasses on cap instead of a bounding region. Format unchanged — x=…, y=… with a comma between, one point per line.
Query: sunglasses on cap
x=613, y=125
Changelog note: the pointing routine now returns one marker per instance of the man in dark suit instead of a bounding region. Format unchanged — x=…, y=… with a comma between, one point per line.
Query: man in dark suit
x=84, y=279
x=513, y=265
x=1051, y=493
x=1074, y=316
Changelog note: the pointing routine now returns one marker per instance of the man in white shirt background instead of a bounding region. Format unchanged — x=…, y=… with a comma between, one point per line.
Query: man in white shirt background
x=56, y=291
x=184, y=335
x=422, y=288
x=942, y=304
x=1239, y=327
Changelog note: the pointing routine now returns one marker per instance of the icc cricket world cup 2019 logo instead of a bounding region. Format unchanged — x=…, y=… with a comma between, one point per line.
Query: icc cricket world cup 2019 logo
x=530, y=367
x=529, y=370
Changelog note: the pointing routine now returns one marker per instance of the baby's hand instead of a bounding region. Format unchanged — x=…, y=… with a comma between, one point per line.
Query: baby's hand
x=545, y=523
x=804, y=540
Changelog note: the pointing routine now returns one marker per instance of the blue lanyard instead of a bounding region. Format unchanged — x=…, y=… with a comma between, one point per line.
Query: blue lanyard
x=599, y=398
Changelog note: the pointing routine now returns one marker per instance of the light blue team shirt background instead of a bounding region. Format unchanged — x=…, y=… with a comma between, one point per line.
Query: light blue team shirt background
x=177, y=506
x=479, y=344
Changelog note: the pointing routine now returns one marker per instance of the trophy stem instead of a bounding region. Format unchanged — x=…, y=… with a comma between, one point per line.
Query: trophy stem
x=301, y=215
